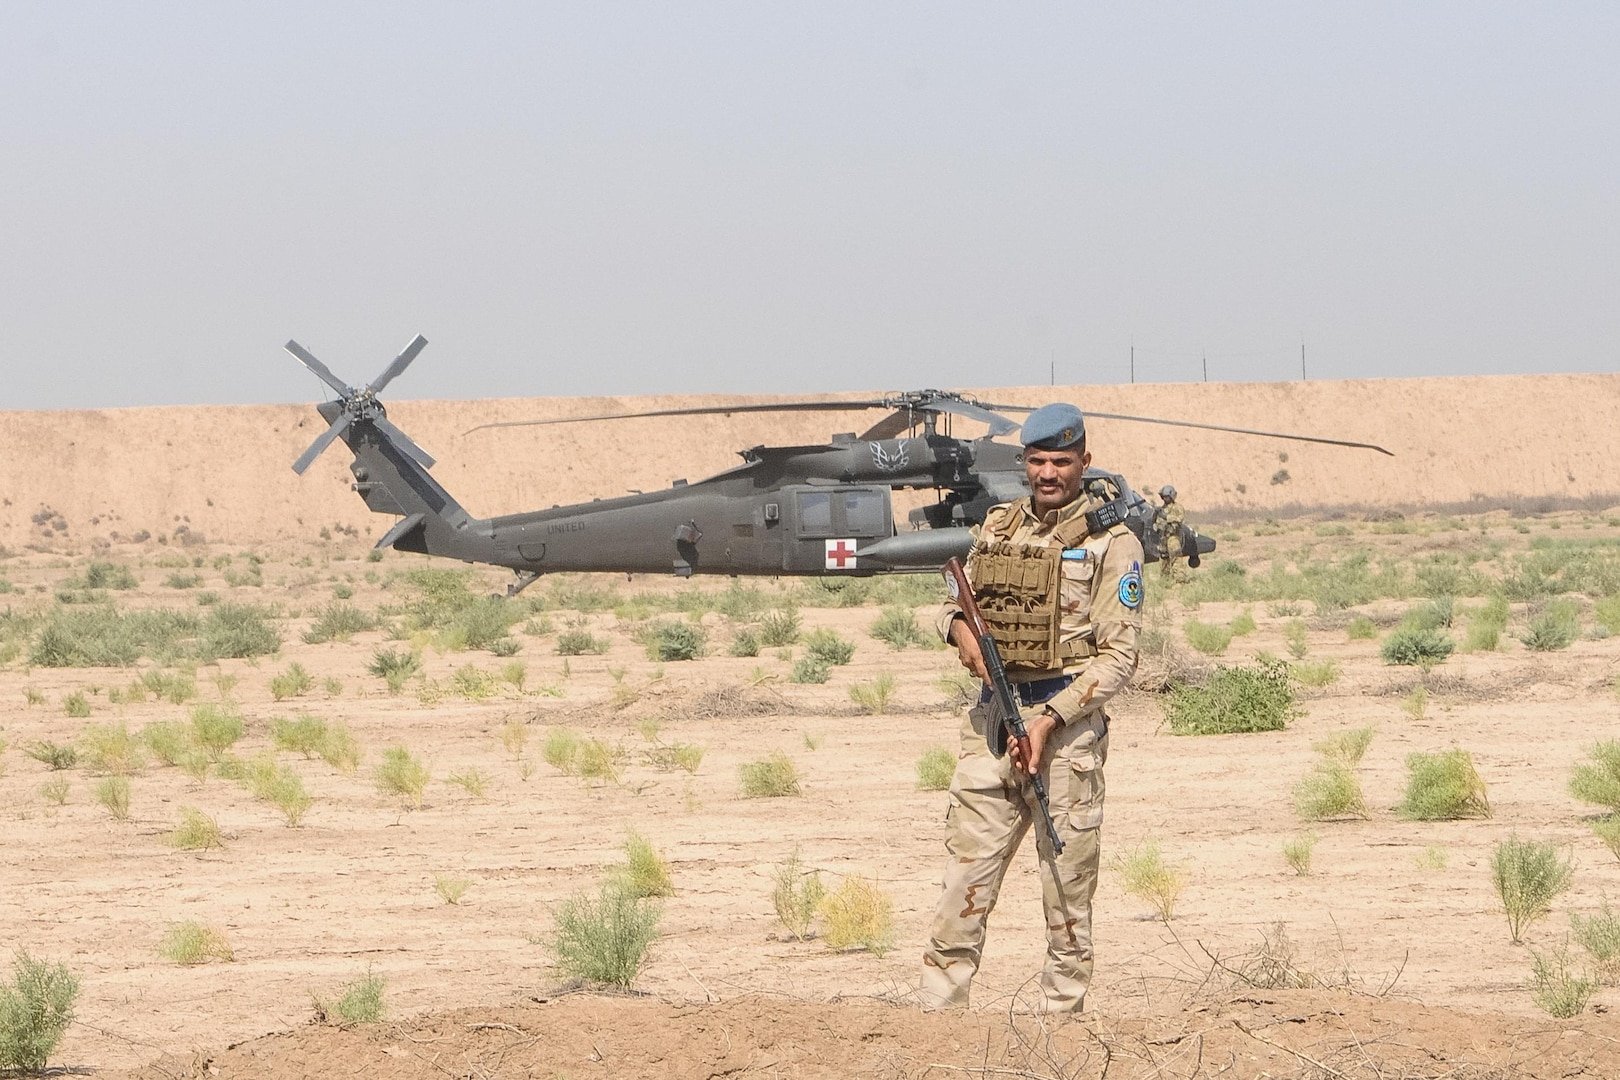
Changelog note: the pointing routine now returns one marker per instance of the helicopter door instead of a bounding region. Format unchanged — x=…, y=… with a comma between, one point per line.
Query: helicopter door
x=830, y=523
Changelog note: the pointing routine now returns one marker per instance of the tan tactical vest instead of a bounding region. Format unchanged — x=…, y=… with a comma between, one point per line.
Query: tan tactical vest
x=1018, y=588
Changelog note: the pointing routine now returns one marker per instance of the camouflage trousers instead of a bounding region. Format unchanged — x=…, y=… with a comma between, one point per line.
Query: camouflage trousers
x=990, y=811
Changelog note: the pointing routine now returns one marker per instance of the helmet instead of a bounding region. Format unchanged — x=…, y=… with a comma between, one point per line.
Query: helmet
x=1167, y=492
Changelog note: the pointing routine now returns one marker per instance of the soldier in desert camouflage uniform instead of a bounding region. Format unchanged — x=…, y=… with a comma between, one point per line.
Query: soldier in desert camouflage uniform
x=1063, y=596
x=1167, y=522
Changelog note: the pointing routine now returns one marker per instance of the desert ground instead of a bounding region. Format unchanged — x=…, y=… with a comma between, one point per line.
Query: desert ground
x=1391, y=957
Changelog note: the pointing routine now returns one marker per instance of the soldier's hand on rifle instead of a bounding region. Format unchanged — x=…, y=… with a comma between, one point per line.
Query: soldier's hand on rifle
x=967, y=649
x=1027, y=753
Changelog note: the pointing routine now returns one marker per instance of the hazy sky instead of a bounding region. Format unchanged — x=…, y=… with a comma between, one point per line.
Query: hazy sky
x=601, y=198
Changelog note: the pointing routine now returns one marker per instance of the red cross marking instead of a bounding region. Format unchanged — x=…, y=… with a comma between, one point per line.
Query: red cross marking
x=838, y=552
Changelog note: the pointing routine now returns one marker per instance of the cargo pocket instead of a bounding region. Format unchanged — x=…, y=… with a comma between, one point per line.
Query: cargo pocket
x=1085, y=802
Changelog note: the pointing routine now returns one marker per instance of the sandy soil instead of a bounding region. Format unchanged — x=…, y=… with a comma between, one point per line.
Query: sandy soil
x=69, y=478
x=309, y=909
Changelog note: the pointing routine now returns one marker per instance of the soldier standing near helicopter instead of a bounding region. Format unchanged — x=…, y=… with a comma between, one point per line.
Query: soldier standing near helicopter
x=1061, y=591
x=1167, y=522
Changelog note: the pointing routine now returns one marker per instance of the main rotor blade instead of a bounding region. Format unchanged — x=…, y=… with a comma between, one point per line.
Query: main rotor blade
x=999, y=425
x=702, y=410
x=322, y=441
x=1242, y=431
x=890, y=426
x=403, y=441
x=321, y=371
x=401, y=362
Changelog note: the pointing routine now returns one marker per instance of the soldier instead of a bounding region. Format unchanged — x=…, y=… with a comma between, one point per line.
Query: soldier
x=1063, y=598
x=1167, y=522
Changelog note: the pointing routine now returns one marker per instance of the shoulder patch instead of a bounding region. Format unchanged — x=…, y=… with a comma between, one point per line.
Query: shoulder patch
x=1076, y=554
x=1130, y=587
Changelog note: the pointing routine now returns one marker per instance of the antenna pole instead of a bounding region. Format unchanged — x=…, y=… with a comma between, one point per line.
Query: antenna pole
x=1133, y=361
x=1206, y=367
x=1301, y=359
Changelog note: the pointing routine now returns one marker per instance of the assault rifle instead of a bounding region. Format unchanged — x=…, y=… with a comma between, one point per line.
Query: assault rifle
x=1003, y=700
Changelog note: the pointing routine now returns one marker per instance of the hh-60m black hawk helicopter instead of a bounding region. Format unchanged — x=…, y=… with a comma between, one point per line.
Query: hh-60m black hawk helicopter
x=794, y=510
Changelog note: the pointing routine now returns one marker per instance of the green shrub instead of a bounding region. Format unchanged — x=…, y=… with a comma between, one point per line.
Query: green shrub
x=1361, y=628
x=1295, y=640
x=779, y=628
x=561, y=750
x=578, y=641
x=394, y=666
x=361, y=1002
x=857, y=915
x=1597, y=780
x=103, y=636
x=109, y=748
x=283, y=788
x=339, y=622
x=1207, y=638
x=1236, y=699
x=1348, y=746
x=55, y=791
x=236, y=632
x=1436, y=614
x=294, y=682
x=936, y=769
x=340, y=749
x=196, y=831
x=1555, y=627
x=1443, y=787
x=443, y=602
x=771, y=778
x=1297, y=853
x=305, y=735
x=1414, y=647
x=1243, y=624
x=745, y=642
x=597, y=761
x=674, y=639
x=1486, y=625
x=1315, y=674
x=796, y=895
x=811, y=669
x=112, y=792
x=402, y=774
x=35, y=1008
x=1330, y=790
x=872, y=695
x=605, y=938
x=54, y=756
x=1527, y=876
x=1607, y=613
x=1144, y=874
x=450, y=889
x=215, y=729
x=644, y=872
x=76, y=705
x=1599, y=935
x=825, y=645
x=898, y=626
x=1559, y=989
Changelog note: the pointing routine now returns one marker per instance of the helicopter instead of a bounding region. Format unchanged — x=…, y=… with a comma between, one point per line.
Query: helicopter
x=817, y=510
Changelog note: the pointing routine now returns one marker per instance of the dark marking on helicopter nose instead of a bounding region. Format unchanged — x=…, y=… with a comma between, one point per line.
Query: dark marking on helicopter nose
x=565, y=526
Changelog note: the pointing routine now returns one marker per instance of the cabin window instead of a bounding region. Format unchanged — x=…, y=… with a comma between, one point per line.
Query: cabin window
x=864, y=512
x=815, y=513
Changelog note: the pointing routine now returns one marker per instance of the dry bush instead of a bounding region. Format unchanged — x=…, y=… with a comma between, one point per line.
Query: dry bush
x=340, y=749
x=360, y=1003
x=1599, y=935
x=305, y=735
x=55, y=791
x=1297, y=852
x=294, y=682
x=112, y=792
x=191, y=943
x=1145, y=875
x=645, y=871
x=1443, y=787
x=215, y=729
x=110, y=748
x=450, y=889
x=1597, y=780
x=734, y=703
x=936, y=768
x=561, y=750
x=1348, y=746
x=402, y=774
x=772, y=778
x=857, y=915
x=472, y=781
x=54, y=756
x=197, y=831
x=1560, y=989
x=1207, y=638
x=872, y=696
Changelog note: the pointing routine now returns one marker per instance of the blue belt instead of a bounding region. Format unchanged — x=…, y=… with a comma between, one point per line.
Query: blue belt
x=1037, y=692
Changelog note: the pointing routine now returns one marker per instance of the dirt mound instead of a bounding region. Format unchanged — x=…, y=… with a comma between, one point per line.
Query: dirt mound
x=181, y=474
x=1271, y=1034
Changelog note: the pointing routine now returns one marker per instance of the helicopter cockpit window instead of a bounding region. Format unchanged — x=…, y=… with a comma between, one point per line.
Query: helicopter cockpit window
x=815, y=513
x=864, y=512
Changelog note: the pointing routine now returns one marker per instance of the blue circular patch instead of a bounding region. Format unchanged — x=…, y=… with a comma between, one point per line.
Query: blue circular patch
x=1130, y=590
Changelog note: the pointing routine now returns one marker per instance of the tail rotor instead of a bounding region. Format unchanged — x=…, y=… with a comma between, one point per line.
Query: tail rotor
x=360, y=405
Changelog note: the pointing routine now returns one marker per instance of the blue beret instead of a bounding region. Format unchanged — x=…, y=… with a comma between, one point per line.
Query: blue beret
x=1054, y=427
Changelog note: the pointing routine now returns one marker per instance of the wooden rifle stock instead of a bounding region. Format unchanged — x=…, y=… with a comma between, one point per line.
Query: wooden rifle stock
x=1002, y=695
